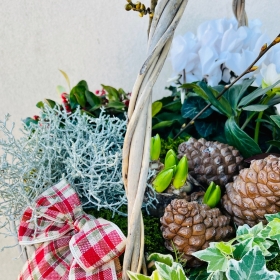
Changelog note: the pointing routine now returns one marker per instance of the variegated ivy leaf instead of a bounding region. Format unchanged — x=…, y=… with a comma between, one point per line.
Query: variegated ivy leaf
x=166, y=272
x=217, y=261
x=274, y=226
x=250, y=267
x=167, y=259
x=137, y=276
x=218, y=275
x=270, y=217
x=242, y=248
x=258, y=234
x=225, y=247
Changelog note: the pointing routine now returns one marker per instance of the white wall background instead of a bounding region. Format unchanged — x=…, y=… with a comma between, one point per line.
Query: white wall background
x=95, y=40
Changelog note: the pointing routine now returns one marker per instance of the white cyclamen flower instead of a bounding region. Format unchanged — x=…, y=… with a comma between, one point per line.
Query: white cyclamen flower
x=221, y=51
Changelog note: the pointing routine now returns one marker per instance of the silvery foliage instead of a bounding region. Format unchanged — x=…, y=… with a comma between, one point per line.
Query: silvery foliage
x=220, y=51
x=86, y=151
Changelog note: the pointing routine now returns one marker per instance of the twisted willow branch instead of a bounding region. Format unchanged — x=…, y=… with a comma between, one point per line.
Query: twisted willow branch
x=137, y=140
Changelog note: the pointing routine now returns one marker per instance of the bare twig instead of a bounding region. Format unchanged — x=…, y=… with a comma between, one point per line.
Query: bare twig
x=251, y=68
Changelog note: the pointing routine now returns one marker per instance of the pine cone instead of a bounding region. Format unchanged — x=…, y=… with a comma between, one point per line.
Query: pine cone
x=211, y=161
x=190, y=226
x=255, y=192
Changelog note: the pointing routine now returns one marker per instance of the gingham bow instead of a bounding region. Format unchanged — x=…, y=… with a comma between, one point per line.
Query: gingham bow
x=70, y=243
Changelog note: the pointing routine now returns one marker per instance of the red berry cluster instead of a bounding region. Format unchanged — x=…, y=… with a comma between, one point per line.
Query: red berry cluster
x=65, y=103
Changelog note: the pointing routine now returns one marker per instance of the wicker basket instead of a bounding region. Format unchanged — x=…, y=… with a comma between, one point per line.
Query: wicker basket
x=137, y=141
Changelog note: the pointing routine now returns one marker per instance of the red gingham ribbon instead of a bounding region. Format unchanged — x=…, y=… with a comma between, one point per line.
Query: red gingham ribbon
x=70, y=244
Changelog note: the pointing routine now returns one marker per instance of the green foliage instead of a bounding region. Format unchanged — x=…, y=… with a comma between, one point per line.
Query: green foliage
x=154, y=241
x=114, y=101
x=245, y=256
x=170, y=144
x=243, y=117
x=165, y=269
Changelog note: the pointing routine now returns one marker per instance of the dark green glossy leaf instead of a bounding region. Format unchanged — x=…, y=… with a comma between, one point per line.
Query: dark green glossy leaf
x=274, y=101
x=77, y=96
x=210, y=94
x=240, y=139
x=115, y=104
x=256, y=108
x=50, y=102
x=276, y=119
x=83, y=84
x=174, y=106
x=40, y=105
x=193, y=105
x=113, y=93
x=254, y=95
x=28, y=121
x=163, y=124
x=156, y=107
x=204, y=128
x=274, y=143
x=92, y=99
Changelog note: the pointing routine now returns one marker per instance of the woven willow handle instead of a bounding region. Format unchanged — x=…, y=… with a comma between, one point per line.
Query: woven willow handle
x=136, y=149
x=238, y=7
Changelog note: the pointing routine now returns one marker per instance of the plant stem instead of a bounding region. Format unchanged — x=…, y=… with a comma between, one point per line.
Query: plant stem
x=264, y=50
x=258, y=124
x=248, y=120
x=257, y=128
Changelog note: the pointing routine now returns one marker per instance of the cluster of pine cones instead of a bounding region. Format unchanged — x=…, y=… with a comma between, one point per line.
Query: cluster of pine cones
x=250, y=193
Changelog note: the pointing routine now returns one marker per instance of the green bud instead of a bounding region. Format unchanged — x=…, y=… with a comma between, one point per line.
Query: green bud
x=163, y=180
x=212, y=195
x=170, y=159
x=181, y=173
x=155, y=147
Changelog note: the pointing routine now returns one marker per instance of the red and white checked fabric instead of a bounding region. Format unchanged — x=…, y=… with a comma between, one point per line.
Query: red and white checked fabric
x=70, y=244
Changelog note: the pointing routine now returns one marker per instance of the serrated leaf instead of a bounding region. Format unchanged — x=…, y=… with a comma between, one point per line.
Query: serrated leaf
x=225, y=247
x=216, y=260
x=240, y=139
x=250, y=267
x=193, y=105
x=66, y=78
x=276, y=119
x=156, y=107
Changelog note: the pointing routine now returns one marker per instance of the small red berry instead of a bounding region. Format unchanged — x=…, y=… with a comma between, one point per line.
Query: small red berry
x=36, y=118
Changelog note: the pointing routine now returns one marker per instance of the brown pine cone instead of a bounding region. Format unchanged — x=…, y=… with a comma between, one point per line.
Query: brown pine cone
x=211, y=161
x=254, y=192
x=190, y=226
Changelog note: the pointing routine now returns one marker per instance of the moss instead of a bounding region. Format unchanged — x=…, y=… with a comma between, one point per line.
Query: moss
x=274, y=264
x=168, y=144
x=154, y=241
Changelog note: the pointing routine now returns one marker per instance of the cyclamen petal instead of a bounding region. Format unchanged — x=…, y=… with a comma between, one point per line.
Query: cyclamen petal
x=221, y=48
